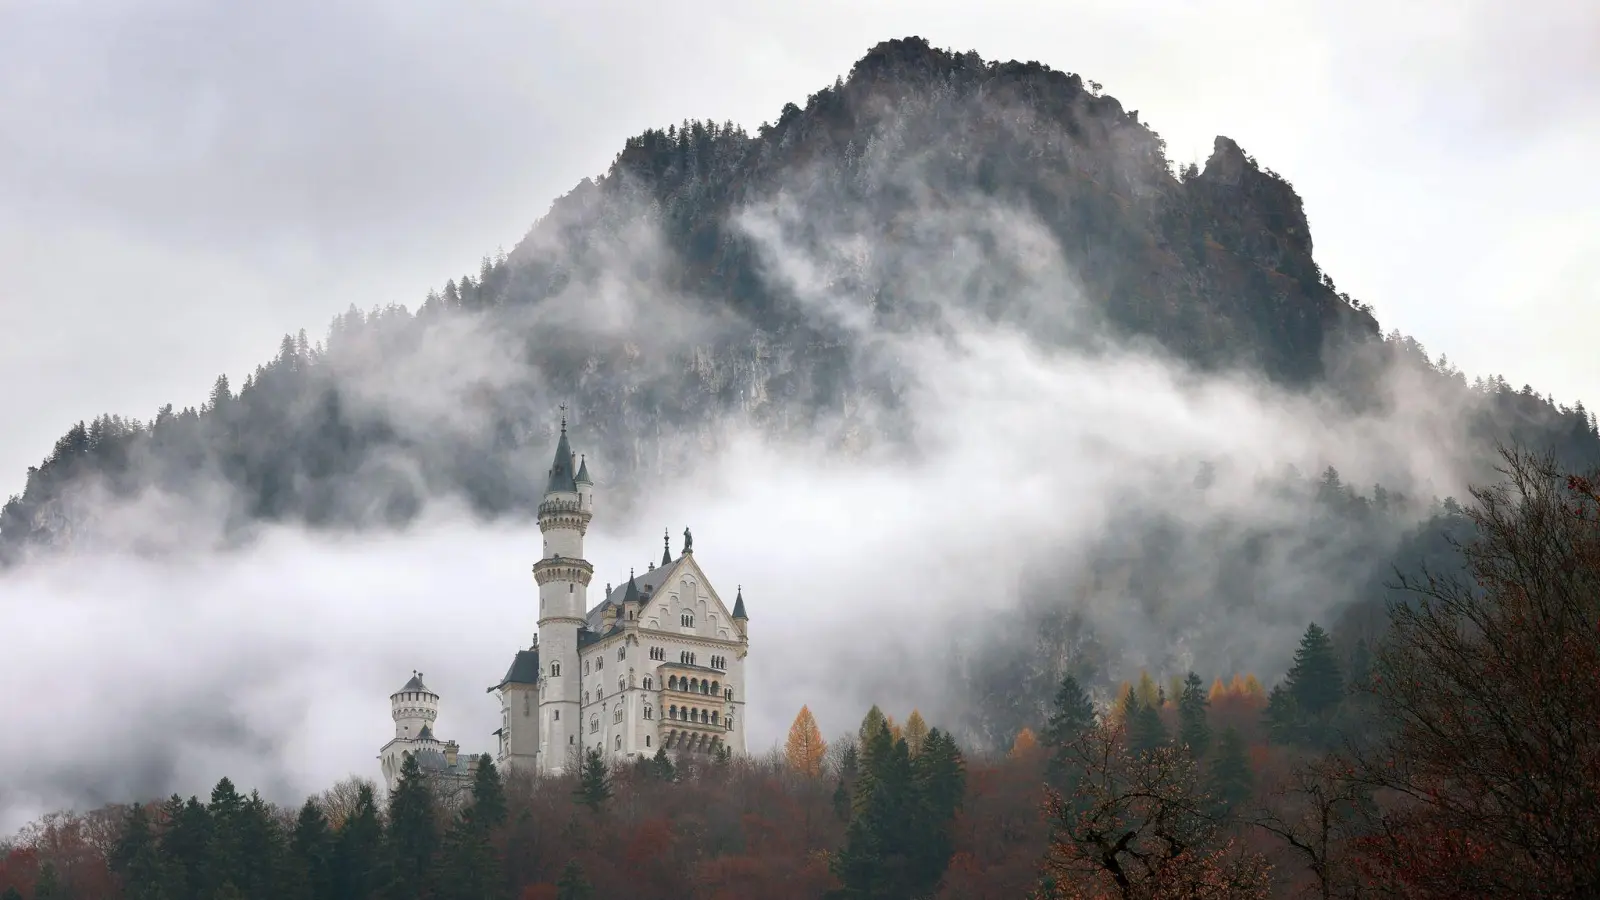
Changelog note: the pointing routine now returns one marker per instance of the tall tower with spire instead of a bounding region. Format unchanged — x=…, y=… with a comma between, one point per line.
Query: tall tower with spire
x=563, y=577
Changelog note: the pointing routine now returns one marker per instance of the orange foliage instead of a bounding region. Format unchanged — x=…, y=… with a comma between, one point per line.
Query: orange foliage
x=1026, y=746
x=805, y=747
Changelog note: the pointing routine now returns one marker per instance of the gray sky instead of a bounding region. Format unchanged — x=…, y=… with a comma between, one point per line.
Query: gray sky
x=181, y=182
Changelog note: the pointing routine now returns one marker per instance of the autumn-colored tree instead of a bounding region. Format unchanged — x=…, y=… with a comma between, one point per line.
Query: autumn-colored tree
x=805, y=748
x=1488, y=688
x=916, y=731
x=1317, y=814
x=1139, y=827
x=1026, y=746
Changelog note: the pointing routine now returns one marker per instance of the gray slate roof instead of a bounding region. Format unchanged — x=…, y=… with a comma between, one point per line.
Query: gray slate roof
x=561, y=474
x=415, y=684
x=524, y=670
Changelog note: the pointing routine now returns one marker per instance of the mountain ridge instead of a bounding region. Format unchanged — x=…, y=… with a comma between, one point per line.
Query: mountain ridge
x=646, y=297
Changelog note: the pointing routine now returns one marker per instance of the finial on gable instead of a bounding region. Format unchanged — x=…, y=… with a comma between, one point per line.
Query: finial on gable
x=666, y=546
x=688, y=541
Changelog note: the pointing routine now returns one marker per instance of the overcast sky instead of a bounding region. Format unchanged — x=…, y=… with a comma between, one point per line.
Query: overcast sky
x=181, y=182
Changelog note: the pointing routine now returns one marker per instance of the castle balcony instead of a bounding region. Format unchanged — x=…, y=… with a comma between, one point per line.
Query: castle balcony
x=561, y=568
x=691, y=682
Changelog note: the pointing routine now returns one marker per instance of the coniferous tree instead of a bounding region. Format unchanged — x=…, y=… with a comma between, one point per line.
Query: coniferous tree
x=488, y=794
x=1285, y=723
x=1315, y=680
x=916, y=732
x=805, y=748
x=877, y=860
x=48, y=886
x=137, y=859
x=1230, y=779
x=594, y=780
x=940, y=781
x=186, y=843
x=413, y=834
x=1193, y=730
x=1145, y=729
x=313, y=849
x=1071, y=718
x=660, y=766
x=573, y=885
x=360, y=868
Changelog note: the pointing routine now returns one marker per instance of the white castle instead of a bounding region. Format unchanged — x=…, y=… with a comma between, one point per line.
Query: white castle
x=657, y=664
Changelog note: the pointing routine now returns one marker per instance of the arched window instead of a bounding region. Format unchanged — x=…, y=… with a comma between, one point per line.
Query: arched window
x=716, y=688
x=555, y=670
x=557, y=716
x=617, y=716
x=527, y=704
x=599, y=663
x=672, y=682
x=672, y=712
x=622, y=652
x=687, y=619
x=713, y=717
x=619, y=742
x=586, y=667
x=728, y=694
x=649, y=683
x=594, y=724
x=585, y=698
x=621, y=684
x=647, y=740
x=683, y=657
x=730, y=723
x=649, y=713
x=694, y=685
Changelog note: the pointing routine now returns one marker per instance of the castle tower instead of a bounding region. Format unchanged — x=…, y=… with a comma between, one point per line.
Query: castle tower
x=414, y=709
x=563, y=578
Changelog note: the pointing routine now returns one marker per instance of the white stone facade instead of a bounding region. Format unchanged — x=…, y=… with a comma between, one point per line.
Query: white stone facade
x=657, y=662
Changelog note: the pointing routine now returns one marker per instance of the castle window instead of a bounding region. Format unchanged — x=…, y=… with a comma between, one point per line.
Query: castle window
x=594, y=724
x=586, y=667
x=672, y=682
x=619, y=742
x=572, y=739
x=728, y=693
x=658, y=653
x=649, y=713
x=730, y=723
x=713, y=717
x=558, y=715
x=688, y=620
x=585, y=698
x=527, y=704
x=599, y=663
x=649, y=683
x=647, y=740
x=683, y=657
x=622, y=652
x=621, y=684
x=555, y=670
x=716, y=688
x=694, y=685
x=617, y=716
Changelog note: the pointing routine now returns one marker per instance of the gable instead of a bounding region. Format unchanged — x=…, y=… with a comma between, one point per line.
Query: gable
x=688, y=590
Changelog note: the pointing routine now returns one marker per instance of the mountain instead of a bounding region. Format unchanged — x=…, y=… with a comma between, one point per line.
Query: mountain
x=652, y=300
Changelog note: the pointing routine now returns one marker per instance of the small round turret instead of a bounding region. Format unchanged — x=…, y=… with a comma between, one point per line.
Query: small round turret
x=414, y=709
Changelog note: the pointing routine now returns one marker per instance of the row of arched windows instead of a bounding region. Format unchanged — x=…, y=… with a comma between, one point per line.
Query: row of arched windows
x=686, y=714
x=720, y=663
x=686, y=658
x=659, y=653
x=693, y=685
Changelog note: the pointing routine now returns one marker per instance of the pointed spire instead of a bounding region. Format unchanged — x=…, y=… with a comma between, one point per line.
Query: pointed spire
x=666, y=547
x=583, y=471
x=561, y=478
x=738, y=605
x=632, y=594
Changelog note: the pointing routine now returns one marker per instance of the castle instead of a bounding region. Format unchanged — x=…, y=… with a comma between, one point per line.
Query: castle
x=676, y=654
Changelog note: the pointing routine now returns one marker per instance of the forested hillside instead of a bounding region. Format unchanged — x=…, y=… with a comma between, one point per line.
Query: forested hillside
x=649, y=299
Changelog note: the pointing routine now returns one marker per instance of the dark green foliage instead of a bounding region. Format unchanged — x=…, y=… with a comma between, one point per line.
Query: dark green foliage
x=48, y=887
x=470, y=866
x=1315, y=680
x=898, y=842
x=573, y=885
x=488, y=794
x=1285, y=723
x=1230, y=780
x=1193, y=730
x=312, y=846
x=1071, y=718
x=594, y=780
x=659, y=767
x=11, y=893
x=360, y=865
x=137, y=859
x=1145, y=729
x=413, y=838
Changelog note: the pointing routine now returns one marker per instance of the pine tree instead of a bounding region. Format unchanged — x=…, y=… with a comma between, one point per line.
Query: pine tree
x=1285, y=724
x=1314, y=680
x=877, y=860
x=312, y=847
x=137, y=859
x=1145, y=729
x=1230, y=779
x=573, y=885
x=805, y=748
x=488, y=794
x=360, y=868
x=871, y=724
x=1070, y=719
x=661, y=765
x=594, y=780
x=1193, y=729
x=940, y=780
x=413, y=834
x=849, y=772
x=186, y=845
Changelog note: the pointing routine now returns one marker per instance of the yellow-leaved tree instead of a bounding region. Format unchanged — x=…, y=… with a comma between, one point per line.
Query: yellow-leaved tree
x=1026, y=745
x=916, y=731
x=805, y=747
